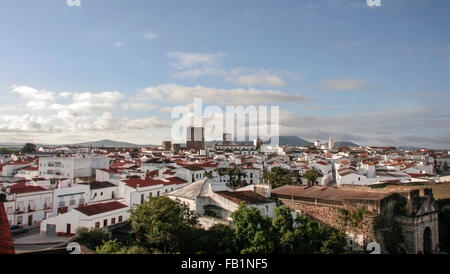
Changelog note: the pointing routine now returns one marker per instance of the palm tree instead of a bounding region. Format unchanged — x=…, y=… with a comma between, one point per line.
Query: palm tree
x=278, y=176
x=238, y=173
x=312, y=175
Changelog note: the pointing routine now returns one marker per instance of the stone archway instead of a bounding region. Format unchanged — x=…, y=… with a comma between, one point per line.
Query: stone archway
x=427, y=241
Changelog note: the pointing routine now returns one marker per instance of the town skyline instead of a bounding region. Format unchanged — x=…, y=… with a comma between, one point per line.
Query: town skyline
x=118, y=74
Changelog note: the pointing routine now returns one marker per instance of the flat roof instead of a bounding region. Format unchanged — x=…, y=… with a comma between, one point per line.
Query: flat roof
x=249, y=197
x=326, y=193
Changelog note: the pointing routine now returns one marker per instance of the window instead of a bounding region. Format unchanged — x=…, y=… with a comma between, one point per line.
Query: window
x=150, y=194
x=21, y=206
x=19, y=220
x=101, y=193
x=31, y=205
x=97, y=225
x=120, y=219
x=9, y=210
x=157, y=193
x=113, y=221
x=105, y=222
x=72, y=202
x=47, y=203
x=81, y=201
x=62, y=203
x=142, y=198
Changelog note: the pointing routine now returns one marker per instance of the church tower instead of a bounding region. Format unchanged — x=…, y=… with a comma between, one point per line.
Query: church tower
x=330, y=144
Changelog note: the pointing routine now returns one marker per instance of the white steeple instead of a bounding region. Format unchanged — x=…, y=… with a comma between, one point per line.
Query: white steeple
x=330, y=144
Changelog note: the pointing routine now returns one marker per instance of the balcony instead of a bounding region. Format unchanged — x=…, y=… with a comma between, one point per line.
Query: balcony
x=19, y=211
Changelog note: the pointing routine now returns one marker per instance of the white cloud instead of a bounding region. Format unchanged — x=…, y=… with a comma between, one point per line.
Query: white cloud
x=118, y=44
x=138, y=106
x=185, y=60
x=261, y=79
x=150, y=122
x=194, y=65
x=107, y=122
x=150, y=35
x=347, y=84
x=88, y=101
x=33, y=94
x=183, y=94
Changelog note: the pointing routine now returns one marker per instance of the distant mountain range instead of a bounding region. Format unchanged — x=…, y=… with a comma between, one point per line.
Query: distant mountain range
x=291, y=140
x=108, y=143
x=283, y=141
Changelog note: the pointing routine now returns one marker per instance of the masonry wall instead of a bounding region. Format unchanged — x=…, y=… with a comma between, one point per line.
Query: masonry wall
x=330, y=215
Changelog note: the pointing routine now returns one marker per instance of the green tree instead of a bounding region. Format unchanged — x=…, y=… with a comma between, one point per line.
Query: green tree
x=253, y=233
x=335, y=244
x=91, y=237
x=312, y=175
x=28, y=148
x=278, y=176
x=6, y=151
x=218, y=239
x=163, y=224
x=238, y=174
x=111, y=247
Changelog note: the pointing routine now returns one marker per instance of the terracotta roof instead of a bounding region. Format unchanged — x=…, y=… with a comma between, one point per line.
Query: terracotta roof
x=175, y=180
x=193, y=167
x=6, y=241
x=99, y=185
x=95, y=209
x=249, y=197
x=134, y=182
x=324, y=193
x=31, y=168
x=418, y=175
x=23, y=188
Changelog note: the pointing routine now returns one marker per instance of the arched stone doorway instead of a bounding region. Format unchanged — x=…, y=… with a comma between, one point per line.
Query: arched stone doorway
x=427, y=242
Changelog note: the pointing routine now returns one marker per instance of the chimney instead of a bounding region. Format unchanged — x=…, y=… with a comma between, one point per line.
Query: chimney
x=137, y=187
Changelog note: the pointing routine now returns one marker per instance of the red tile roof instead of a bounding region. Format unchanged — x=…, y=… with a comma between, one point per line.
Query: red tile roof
x=30, y=168
x=175, y=180
x=6, y=241
x=324, y=193
x=134, y=182
x=249, y=197
x=23, y=188
x=95, y=209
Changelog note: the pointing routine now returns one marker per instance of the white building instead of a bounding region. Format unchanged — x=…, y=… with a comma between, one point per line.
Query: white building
x=212, y=198
x=71, y=167
x=27, y=205
x=96, y=215
x=67, y=198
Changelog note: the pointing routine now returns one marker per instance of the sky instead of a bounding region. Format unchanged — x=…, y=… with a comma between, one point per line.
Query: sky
x=114, y=69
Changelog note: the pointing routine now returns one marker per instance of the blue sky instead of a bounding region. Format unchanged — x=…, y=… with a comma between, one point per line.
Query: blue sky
x=112, y=68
